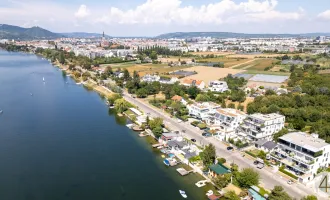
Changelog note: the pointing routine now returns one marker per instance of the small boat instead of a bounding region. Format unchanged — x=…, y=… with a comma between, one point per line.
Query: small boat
x=183, y=193
x=166, y=162
x=1, y=111
x=31, y=94
x=43, y=79
x=163, y=156
x=209, y=193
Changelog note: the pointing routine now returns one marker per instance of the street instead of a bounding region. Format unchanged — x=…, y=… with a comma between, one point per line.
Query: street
x=269, y=179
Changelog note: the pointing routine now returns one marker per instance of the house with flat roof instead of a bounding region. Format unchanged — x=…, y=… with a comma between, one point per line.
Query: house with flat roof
x=202, y=110
x=302, y=154
x=225, y=121
x=218, y=86
x=150, y=78
x=262, y=126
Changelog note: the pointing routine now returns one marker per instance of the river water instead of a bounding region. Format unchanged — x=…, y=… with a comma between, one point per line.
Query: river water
x=62, y=143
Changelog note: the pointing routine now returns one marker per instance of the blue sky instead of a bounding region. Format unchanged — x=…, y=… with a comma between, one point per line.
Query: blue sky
x=153, y=17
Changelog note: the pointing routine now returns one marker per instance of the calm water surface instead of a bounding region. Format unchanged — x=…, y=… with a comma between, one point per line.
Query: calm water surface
x=62, y=143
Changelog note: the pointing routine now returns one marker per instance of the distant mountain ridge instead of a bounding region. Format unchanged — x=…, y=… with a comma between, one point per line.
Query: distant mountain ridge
x=185, y=35
x=16, y=32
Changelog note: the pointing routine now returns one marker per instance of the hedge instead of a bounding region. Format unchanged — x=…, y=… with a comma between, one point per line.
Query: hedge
x=288, y=173
x=251, y=154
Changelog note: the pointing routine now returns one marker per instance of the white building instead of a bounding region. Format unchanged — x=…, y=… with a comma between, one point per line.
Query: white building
x=168, y=81
x=191, y=82
x=302, y=154
x=150, y=78
x=218, y=86
x=262, y=126
x=202, y=110
x=226, y=121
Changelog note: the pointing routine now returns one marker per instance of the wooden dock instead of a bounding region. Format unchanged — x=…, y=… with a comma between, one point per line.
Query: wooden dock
x=157, y=145
x=183, y=172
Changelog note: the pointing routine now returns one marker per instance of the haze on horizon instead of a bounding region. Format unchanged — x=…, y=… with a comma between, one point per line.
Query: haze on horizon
x=154, y=17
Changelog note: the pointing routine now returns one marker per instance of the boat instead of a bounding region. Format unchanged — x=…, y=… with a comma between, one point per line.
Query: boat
x=201, y=183
x=43, y=79
x=163, y=156
x=166, y=162
x=183, y=193
x=130, y=126
x=209, y=193
x=31, y=94
x=1, y=111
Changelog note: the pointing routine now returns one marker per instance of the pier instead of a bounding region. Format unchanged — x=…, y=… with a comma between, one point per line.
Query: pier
x=183, y=172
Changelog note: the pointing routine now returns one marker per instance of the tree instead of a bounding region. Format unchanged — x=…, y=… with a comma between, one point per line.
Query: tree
x=279, y=134
x=270, y=92
x=231, y=195
x=222, y=181
x=193, y=92
x=278, y=193
x=121, y=105
x=62, y=59
x=262, y=155
x=157, y=131
x=309, y=197
x=113, y=98
x=231, y=105
x=126, y=75
x=202, y=98
x=248, y=177
x=223, y=103
x=142, y=93
x=153, y=55
x=108, y=70
x=208, y=155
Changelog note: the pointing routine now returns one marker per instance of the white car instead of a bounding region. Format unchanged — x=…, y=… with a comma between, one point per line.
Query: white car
x=290, y=182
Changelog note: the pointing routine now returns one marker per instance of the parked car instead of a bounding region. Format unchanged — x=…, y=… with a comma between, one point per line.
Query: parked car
x=206, y=134
x=255, y=162
x=179, y=120
x=290, y=182
x=230, y=148
x=260, y=166
x=193, y=140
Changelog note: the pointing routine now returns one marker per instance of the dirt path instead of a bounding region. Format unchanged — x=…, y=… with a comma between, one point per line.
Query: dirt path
x=233, y=67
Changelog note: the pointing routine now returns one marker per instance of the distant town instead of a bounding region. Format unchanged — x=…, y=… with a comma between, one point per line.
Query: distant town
x=251, y=115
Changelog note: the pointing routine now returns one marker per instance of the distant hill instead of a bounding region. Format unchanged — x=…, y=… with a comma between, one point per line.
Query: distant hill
x=16, y=32
x=184, y=35
x=84, y=35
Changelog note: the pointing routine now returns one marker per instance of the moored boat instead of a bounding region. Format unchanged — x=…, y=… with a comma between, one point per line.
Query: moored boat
x=183, y=193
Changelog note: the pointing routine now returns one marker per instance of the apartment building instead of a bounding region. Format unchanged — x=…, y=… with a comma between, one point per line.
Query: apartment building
x=202, y=110
x=226, y=121
x=302, y=154
x=262, y=126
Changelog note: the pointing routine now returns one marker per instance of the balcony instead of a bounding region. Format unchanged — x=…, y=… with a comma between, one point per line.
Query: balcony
x=293, y=156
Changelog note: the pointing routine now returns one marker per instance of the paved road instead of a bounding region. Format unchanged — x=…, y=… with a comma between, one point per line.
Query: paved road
x=268, y=178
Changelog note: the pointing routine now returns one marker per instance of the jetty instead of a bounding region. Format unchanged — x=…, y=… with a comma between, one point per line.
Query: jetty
x=157, y=145
x=183, y=172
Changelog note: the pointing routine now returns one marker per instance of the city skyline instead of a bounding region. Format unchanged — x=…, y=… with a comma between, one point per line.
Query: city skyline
x=154, y=17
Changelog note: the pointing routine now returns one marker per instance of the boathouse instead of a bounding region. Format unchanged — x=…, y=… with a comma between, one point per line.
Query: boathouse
x=218, y=170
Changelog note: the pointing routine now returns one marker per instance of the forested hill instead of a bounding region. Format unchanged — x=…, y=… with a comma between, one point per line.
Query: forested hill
x=184, y=35
x=19, y=33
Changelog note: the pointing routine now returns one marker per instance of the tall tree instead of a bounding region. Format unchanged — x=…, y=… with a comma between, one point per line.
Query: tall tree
x=278, y=193
x=126, y=75
x=208, y=155
x=62, y=58
x=121, y=105
x=248, y=177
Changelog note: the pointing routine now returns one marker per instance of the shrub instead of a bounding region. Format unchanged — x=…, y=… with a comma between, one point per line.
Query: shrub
x=222, y=160
x=288, y=173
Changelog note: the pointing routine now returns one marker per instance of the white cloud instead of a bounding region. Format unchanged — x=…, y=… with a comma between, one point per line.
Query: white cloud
x=224, y=11
x=82, y=12
x=324, y=15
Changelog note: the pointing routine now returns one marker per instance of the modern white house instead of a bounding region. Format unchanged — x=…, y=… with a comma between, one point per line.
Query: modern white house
x=262, y=126
x=168, y=81
x=225, y=121
x=302, y=154
x=150, y=78
x=218, y=86
x=202, y=110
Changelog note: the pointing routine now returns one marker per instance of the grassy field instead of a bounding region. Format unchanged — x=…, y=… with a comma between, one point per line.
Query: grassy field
x=161, y=69
x=228, y=62
x=261, y=64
